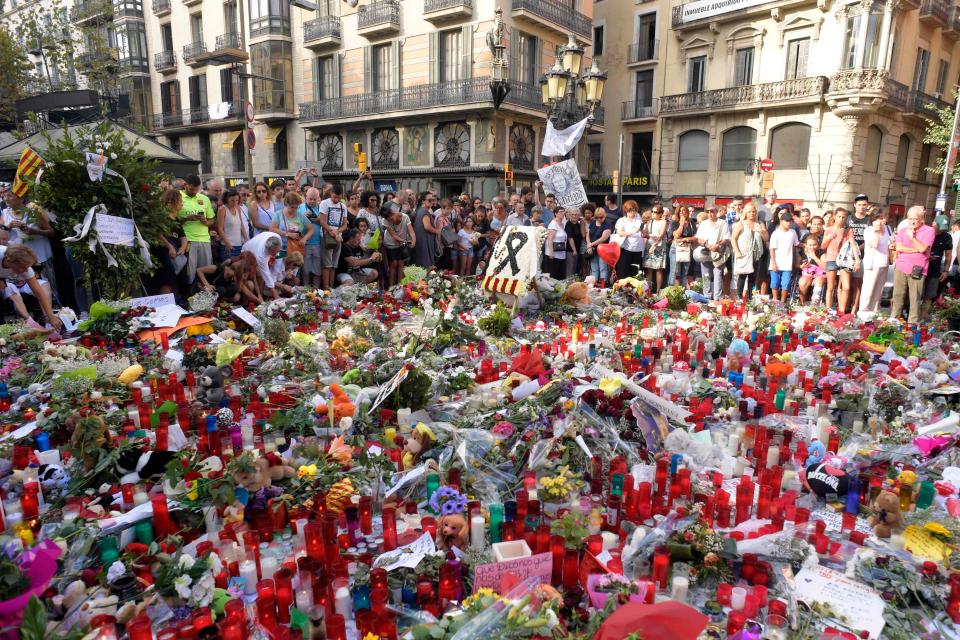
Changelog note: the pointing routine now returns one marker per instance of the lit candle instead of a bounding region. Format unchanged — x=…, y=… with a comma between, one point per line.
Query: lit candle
x=679, y=588
x=304, y=599
x=248, y=571
x=478, y=534
x=268, y=566
x=738, y=598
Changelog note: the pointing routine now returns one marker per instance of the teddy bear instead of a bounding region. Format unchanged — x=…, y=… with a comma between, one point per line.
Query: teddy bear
x=421, y=439
x=452, y=532
x=211, y=392
x=886, y=514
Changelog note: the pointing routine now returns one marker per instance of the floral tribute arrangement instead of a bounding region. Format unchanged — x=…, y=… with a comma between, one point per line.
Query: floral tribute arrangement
x=433, y=463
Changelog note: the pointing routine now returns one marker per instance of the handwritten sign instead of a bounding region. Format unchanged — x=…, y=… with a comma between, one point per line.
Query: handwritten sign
x=114, y=230
x=490, y=575
x=834, y=520
x=671, y=410
x=247, y=317
x=922, y=544
x=154, y=302
x=515, y=260
x=563, y=181
x=855, y=601
x=166, y=316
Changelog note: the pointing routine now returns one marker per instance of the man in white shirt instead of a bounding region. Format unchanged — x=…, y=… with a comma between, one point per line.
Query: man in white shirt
x=265, y=247
x=519, y=217
x=334, y=220
x=714, y=235
x=782, y=243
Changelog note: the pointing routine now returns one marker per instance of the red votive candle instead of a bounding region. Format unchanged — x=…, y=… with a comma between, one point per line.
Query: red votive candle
x=661, y=566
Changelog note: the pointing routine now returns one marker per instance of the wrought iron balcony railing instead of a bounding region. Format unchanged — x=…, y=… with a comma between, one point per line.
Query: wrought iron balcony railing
x=91, y=10
x=439, y=5
x=193, y=50
x=323, y=27
x=559, y=14
x=197, y=115
x=751, y=94
x=383, y=12
x=632, y=110
x=229, y=41
x=161, y=7
x=925, y=104
x=165, y=61
x=937, y=10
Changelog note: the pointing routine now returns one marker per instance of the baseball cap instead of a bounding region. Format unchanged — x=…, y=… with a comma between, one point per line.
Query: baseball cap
x=785, y=215
x=861, y=196
x=942, y=221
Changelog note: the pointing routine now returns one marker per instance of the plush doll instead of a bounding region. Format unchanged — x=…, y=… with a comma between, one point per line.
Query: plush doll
x=421, y=439
x=136, y=465
x=816, y=451
x=211, y=381
x=89, y=434
x=577, y=293
x=452, y=532
x=886, y=514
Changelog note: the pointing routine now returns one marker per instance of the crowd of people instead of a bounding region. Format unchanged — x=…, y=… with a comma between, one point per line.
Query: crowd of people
x=250, y=244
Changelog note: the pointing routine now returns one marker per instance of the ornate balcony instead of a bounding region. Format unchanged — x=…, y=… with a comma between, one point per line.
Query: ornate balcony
x=91, y=12
x=322, y=33
x=951, y=29
x=645, y=52
x=442, y=11
x=161, y=8
x=98, y=61
x=423, y=96
x=632, y=110
x=379, y=18
x=165, y=61
x=553, y=15
x=228, y=49
x=199, y=117
x=935, y=12
x=924, y=105
x=192, y=3
x=192, y=53
x=857, y=92
x=751, y=96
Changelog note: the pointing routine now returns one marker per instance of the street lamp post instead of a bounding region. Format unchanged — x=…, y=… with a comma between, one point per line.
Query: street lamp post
x=569, y=92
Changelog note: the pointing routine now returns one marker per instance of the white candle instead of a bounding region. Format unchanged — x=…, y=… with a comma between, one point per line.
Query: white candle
x=268, y=567
x=343, y=603
x=857, y=426
x=140, y=497
x=896, y=542
x=304, y=599
x=773, y=456
x=478, y=532
x=733, y=444
x=738, y=598
x=739, y=466
x=610, y=540
x=248, y=571
x=679, y=588
x=134, y=416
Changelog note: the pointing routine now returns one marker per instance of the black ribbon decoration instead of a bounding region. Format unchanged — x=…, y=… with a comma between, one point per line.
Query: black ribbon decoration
x=513, y=243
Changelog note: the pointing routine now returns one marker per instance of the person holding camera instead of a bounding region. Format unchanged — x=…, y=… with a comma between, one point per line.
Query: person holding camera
x=398, y=240
x=355, y=267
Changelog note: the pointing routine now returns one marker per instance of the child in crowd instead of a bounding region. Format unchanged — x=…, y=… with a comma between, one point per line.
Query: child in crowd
x=782, y=243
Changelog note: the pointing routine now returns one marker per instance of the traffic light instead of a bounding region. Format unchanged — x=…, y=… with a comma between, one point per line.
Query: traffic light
x=507, y=176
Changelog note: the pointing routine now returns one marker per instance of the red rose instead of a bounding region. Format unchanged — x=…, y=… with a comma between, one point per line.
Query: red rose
x=145, y=187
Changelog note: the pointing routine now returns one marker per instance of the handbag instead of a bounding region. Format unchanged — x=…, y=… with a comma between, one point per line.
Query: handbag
x=757, y=246
x=448, y=236
x=682, y=251
x=293, y=245
x=702, y=255
x=846, y=257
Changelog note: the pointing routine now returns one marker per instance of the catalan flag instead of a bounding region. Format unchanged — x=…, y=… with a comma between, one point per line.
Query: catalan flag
x=27, y=168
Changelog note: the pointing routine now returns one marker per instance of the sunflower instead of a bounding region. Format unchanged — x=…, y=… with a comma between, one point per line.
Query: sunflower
x=937, y=529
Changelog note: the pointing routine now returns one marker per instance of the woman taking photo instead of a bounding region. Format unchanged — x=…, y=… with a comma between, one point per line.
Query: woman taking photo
x=260, y=208
x=398, y=241
x=557, y=245
x=629, y=234
x=655, y=261
x=684, y=242
x=749, y=240
x=233, y=226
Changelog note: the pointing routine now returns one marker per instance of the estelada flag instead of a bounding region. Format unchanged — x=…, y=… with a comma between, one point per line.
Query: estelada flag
x=27, y=168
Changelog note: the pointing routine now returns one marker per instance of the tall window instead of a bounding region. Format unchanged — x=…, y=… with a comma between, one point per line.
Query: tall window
x=269, y=16
x=920, y=70
x=697, y=73
x=790, y=145
x=743, y=71
x=170, y=96
x=859, y=52
x=381, y=67
x=693, y=151
x=903, y=157
x=594, y=159
x=926, y=161
x=280, y=155
x=871, y=158
x=230, y=21
x=229, y=85
x=323, y=88
x=528, y=63
x=641, y=154
x=797, y=58
x=137, y=89
x=198, y=92
x=166, y=36
x=598, y=40
x=327, y=8
x=646, y=36
x=644, y=93
x=272, y=59
x=739, y=148
x=206, y=157
x=942, y=77
x=132, y=46
x=449, y=55
x=239, y=153
x=196, y=27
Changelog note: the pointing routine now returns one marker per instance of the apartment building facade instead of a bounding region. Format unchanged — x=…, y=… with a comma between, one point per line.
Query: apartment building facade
x=409, y=81
x=836, y=93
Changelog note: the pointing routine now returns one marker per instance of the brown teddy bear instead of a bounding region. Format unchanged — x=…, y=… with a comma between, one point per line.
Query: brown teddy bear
x=886, y=514
x=452, y=532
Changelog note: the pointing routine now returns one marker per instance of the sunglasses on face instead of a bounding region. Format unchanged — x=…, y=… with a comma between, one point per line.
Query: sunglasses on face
x=261, y=190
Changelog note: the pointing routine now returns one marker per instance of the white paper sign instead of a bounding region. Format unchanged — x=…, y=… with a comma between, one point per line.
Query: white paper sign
x=96, y=165
x=247, y=317
x=858, y=603
x=409, y=555
x=563, y=181
x=114, y=229
x=515, y=260
x=166, y=316
x=153, y=302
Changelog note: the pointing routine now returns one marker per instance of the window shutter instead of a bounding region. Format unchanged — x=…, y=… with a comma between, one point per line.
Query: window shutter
x=316, y=80
x=337, y=89
x=536, y=63
x=395, y=64
x=466, y=53
x=802, y=58
x=367, y=69
x=514, y=56
x=434, y=61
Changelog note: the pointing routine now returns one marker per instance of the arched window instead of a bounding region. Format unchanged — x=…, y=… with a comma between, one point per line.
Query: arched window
x=693, y=150
x=871, y=157
x=903, y=156
x=790, y=145
x=739, y=149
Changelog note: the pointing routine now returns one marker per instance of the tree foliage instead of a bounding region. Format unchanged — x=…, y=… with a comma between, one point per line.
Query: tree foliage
x=938, y=133
x=66, y=190
x=16, y=73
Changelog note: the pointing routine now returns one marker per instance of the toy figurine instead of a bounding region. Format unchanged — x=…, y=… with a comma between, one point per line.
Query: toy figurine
x=816, y=450
x=452, y=532
x=420, y=440
x=886, y=514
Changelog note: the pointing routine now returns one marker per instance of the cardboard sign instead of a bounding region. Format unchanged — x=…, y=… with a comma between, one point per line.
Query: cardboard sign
x=154, y=302
x=114, y=229
x=858, y=603
x=563, y=181
x=490, y=575
x=247, y=317
x=515, y=260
